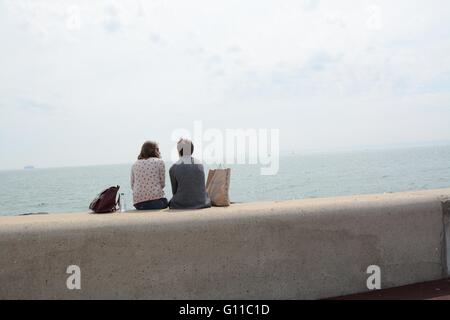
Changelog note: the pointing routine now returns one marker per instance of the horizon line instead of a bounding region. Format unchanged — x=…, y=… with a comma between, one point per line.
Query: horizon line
x=309, y=151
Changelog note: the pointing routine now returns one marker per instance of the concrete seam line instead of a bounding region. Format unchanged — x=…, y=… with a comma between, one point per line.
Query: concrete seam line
x=445, y=248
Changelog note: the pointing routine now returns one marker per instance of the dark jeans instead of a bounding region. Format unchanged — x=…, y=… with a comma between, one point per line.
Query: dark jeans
x=152, y=204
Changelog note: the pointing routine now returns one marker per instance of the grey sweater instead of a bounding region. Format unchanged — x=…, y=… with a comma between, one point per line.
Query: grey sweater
x=187, y=177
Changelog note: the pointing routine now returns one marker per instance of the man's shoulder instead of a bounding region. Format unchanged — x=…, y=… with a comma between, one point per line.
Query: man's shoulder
x=172, y=167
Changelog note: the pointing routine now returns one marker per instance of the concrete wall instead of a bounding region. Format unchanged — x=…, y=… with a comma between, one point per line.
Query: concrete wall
x=305, y=249
x=446, y=246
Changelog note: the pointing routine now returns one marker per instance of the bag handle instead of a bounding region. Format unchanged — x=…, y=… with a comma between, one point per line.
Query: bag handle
x=118, y=200
x=117, y=203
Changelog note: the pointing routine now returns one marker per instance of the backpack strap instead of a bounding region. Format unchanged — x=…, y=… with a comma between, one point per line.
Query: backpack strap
x=117, y=205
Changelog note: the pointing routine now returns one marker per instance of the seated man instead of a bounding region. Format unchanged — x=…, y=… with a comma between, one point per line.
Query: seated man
x=187, y=177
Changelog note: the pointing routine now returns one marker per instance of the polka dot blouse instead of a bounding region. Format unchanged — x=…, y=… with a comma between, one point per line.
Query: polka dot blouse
x=148, y=180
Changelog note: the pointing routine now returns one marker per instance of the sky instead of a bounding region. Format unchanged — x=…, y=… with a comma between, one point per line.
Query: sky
x=87, y=82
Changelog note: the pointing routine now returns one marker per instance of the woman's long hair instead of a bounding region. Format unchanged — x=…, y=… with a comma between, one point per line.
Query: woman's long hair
x=149, y=149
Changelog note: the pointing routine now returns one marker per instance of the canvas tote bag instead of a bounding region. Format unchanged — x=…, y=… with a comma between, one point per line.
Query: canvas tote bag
x=217, y=186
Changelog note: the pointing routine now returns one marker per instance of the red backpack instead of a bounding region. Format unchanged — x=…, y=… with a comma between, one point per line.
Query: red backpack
x=106, y=202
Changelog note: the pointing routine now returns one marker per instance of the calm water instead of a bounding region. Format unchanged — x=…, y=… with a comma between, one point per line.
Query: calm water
x=300, y=176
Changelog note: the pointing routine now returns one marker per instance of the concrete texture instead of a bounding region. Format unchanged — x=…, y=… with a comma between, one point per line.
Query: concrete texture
x=446, y=248
x=302, y=249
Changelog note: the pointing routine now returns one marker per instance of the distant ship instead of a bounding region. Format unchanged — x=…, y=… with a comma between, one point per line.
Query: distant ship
x=28, y=168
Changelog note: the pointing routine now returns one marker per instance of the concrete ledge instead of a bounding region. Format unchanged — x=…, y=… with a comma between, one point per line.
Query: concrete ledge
x=302, y=249
x=446, y=246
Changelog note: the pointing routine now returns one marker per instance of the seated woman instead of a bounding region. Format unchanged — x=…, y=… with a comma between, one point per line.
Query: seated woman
x=148, y=179
x=187, y=177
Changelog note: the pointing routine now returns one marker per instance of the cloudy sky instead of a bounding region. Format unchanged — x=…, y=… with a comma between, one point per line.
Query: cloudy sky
x=86, y=82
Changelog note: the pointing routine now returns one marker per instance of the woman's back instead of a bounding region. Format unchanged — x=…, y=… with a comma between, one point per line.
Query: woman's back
x=148, y=179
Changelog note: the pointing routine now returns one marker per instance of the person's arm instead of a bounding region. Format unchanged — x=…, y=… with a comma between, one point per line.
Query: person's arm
x=162, y=174
x=132, y=179
x=173, y=181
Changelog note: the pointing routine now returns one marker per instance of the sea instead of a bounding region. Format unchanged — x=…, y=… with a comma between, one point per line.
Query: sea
x=300, y=176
